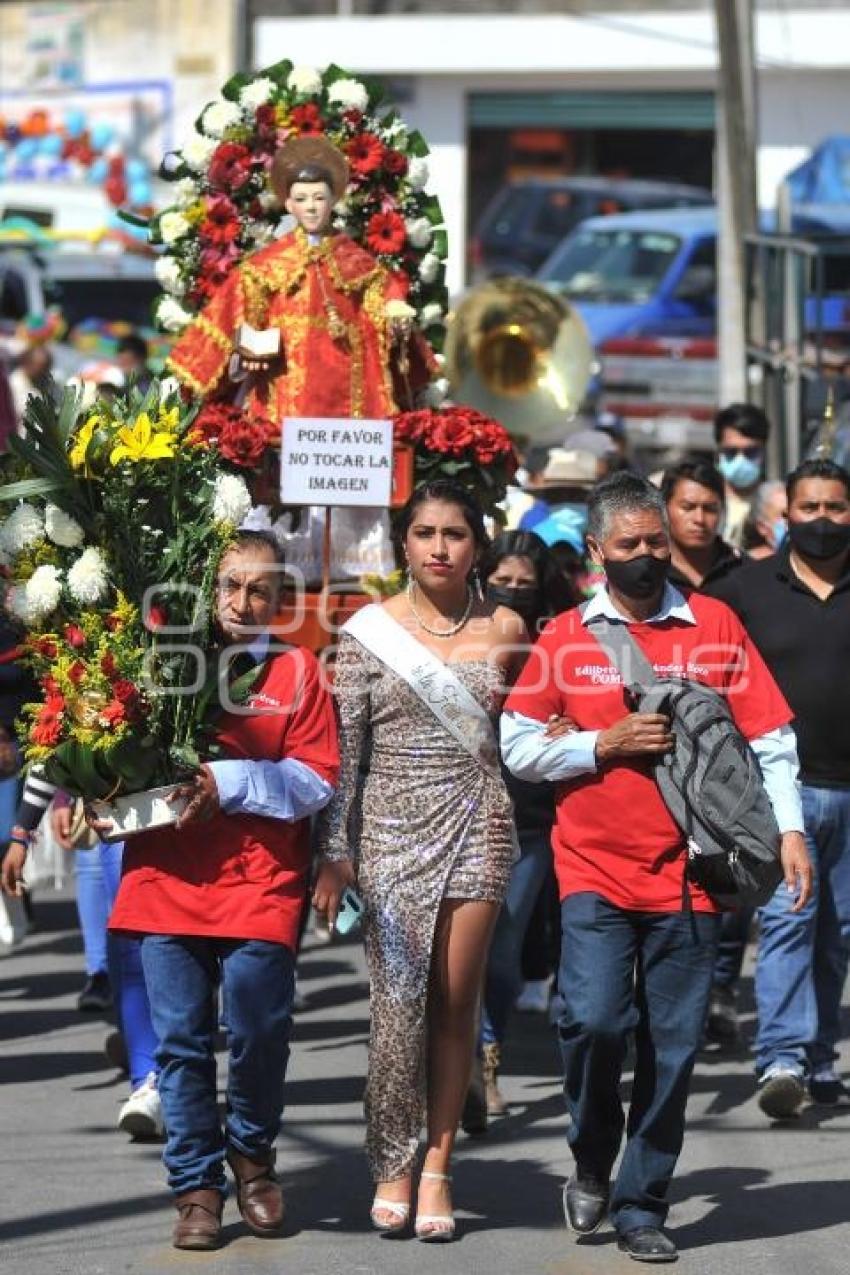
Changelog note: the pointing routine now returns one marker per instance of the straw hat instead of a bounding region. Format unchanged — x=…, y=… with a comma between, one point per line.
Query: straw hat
x=566, y=468
x=300, y=158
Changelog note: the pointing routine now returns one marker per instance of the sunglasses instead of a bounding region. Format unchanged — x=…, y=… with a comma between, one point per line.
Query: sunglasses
x=752, y=453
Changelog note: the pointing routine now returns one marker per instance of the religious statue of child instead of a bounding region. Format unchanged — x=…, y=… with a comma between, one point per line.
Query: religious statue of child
x=312, y=324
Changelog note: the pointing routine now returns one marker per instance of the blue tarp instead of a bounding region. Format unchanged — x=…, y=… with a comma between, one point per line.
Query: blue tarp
x=823, y=178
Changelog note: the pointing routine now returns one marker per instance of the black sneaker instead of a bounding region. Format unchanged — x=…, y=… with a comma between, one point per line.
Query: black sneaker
x=829, y=1091
x=115, y=1048
x=781, y=1094
x=96, y=995
x=722, y=1024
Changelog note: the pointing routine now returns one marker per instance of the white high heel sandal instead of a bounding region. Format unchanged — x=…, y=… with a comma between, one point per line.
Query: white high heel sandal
x=435, y=1228
x=400, y=1209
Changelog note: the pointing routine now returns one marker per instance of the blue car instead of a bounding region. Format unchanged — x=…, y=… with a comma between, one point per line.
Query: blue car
x=655, y=273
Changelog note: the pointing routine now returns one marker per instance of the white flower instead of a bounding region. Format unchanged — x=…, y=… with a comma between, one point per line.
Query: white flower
x=257, y=92
x=220, y=116
x=268, y=200
x=61, y=528
x=198, y=152
x=231, y=499
x=436, y=393
x=431, y=314
x=41, y=594
x=350, y=94
x=168, y=273
x=173, y=226
x=260, y=233
x=419, y=232
x=171, y=316
x=186, y=192
x=304, y=79
x=429, y=267
x=87, y=578
x=418, y=173
x=22, y=528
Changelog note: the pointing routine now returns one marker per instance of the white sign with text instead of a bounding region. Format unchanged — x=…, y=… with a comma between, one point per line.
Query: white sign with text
x=329, y=461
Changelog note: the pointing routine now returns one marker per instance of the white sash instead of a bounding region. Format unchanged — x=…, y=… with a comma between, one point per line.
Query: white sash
x=433, y=681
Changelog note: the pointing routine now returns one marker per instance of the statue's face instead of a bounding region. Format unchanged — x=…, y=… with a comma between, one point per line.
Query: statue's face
x=311, y=204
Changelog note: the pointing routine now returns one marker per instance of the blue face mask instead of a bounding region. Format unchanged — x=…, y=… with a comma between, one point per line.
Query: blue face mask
x=564, y=522
x=739, y=471
x=780, y=531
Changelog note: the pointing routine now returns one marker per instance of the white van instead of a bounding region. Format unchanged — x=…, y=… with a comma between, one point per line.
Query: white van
x=61, y=206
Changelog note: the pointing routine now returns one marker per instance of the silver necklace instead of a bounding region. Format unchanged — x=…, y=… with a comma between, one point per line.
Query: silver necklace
x=440, y=633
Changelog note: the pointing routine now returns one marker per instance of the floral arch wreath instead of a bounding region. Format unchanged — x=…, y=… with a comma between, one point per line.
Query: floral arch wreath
x=224, y=207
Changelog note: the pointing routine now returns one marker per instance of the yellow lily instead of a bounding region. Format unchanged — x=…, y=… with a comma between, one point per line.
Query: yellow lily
x=77, y=454
x=169, y=420
x=141, y=442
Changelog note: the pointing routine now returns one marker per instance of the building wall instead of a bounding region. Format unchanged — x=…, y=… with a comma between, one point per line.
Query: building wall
x=188, y=46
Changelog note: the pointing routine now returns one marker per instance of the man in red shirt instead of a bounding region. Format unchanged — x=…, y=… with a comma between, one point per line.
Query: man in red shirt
x=217, y=900
x=634, y=959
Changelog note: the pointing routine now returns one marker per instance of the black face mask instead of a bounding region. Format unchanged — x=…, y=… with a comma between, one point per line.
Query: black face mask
x=820, y=538
x=638, y=578
x=523, y=598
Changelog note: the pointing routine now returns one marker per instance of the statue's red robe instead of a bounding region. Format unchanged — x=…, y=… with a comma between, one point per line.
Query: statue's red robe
x=294, y=286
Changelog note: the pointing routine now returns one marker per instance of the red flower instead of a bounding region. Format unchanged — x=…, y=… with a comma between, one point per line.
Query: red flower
x=266, y=117
x=230, y=166
x=221, y=224
x=243, y=441
x=365, y=154
x=77, y=672
x=47, y=728
x=451, y=435
x=216, y=264
x=114, y=713
x=45, y=648
x=75, y=636
x=108, y=667
x=124, y=691
x=353, y=117
x=385, y=233
x=307, y=119
x=156, y=619
x=394, y=162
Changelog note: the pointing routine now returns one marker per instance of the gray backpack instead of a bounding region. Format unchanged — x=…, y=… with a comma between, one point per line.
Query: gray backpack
x=711, y=782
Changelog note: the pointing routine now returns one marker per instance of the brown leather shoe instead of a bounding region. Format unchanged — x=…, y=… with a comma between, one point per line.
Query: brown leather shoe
x=198, y=1222
x=258, y=1192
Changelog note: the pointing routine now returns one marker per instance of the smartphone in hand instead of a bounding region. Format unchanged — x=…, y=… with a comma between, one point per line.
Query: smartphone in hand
x=350, y=911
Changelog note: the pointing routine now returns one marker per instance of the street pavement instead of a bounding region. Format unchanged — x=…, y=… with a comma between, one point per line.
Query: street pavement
x=77, y=1197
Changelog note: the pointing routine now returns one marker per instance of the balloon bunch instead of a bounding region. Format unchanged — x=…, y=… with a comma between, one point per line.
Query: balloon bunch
x=40, y=148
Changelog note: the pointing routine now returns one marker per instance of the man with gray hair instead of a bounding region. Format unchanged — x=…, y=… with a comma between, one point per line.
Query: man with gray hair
x=639, y=938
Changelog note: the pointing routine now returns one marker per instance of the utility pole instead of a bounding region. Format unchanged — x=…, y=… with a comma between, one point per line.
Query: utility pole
x=736, y=187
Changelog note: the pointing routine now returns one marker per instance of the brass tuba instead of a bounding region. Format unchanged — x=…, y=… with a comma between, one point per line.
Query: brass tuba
x=521, y=354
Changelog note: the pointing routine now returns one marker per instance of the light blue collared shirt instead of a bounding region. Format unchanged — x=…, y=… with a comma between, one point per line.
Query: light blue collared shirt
x=287, y=789
x=530, y=755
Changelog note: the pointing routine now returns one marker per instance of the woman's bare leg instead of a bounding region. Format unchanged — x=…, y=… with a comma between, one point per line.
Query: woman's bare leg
x=459, y=959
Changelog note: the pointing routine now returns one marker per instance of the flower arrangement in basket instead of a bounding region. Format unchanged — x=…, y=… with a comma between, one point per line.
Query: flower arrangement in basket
x=115, y=544
x=224, y=207
x=461, y=443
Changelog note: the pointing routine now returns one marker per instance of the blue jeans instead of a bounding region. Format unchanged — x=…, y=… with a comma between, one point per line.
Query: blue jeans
x=622, y=972
x=183, y=975
x=504, y=966
x=93, y=907
x=129, y=992
x=734, y=933
x=803, y=956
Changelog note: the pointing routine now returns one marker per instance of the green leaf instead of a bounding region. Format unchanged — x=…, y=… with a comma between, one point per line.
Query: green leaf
x=440, y=244
x=29, y=487
x=235, y=85
x=133, y=219
x=278, y=71
x=417, y=145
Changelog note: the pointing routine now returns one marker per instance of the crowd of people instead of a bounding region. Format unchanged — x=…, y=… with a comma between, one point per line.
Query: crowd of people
x=481, y=741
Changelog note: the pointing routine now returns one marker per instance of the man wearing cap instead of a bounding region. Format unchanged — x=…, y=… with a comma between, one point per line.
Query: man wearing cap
x=559, y=512
x=312, y=324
